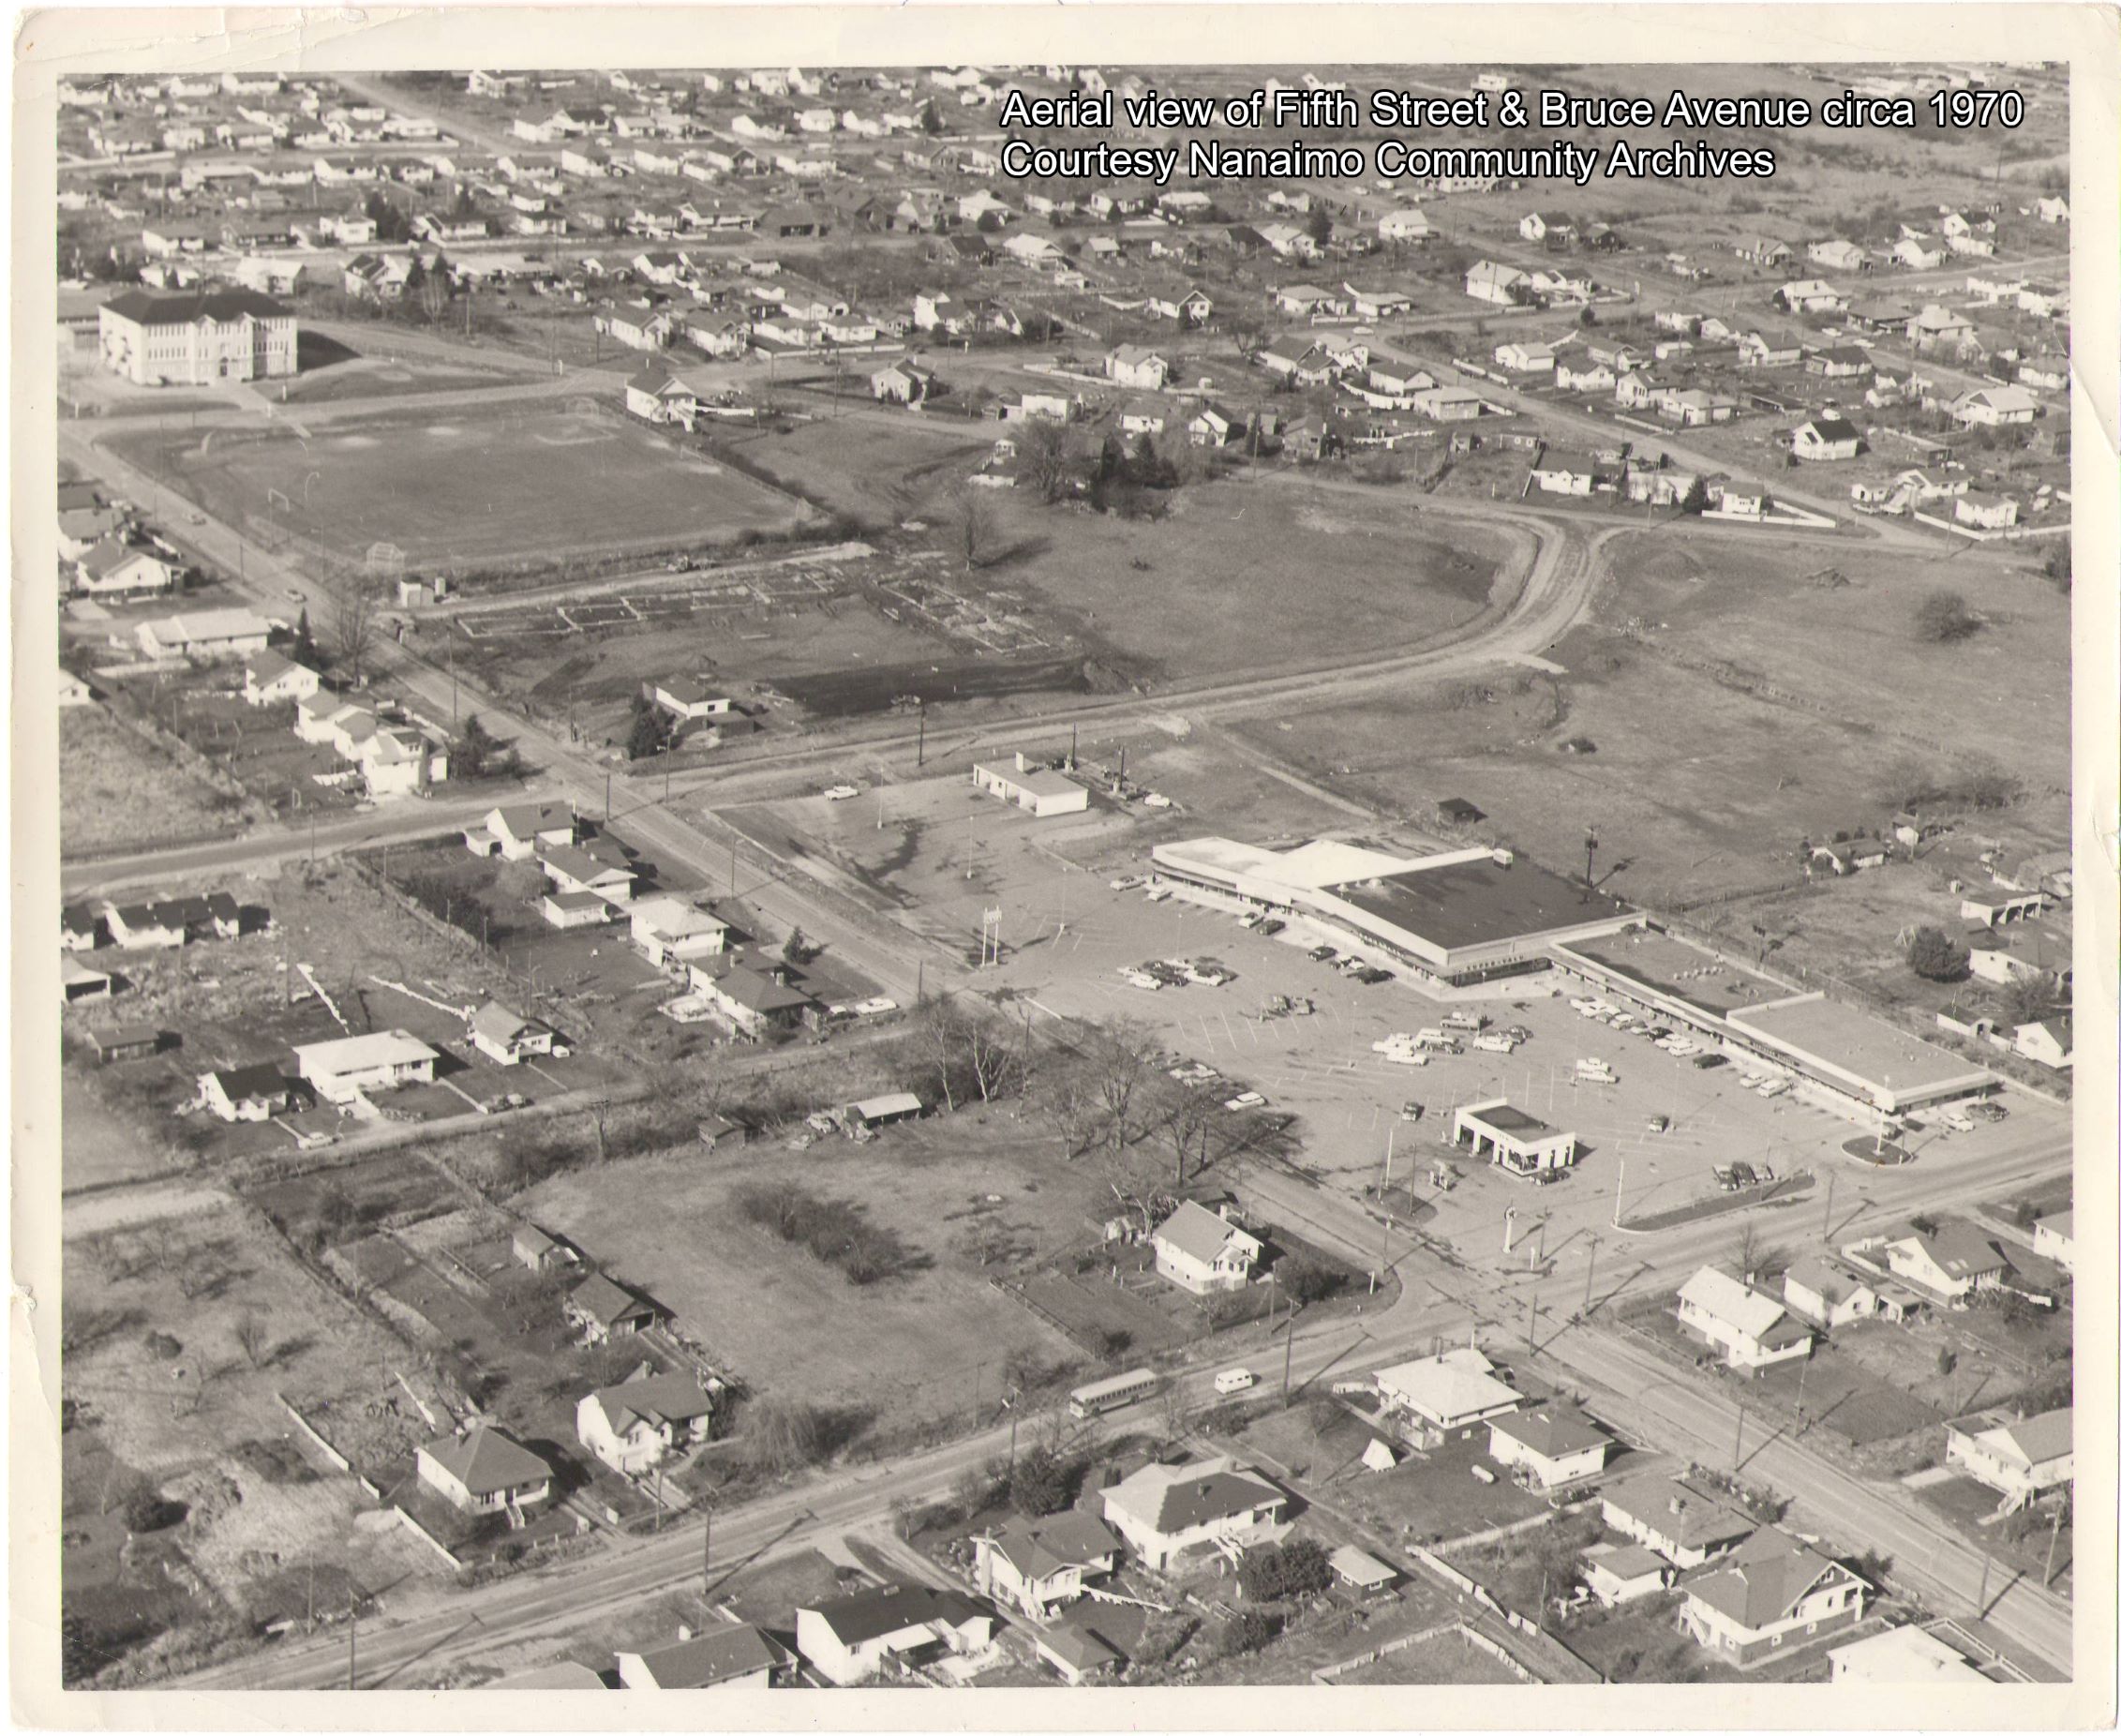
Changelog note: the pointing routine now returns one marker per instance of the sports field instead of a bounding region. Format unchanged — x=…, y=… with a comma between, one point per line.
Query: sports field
x=473, y=489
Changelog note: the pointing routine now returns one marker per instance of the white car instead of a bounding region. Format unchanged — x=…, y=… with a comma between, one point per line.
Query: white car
x=1245, y=1100
x=1406, y=1057
x=841, y=792
x=1127, y=882
x=1137, y=979
x=1235, y=1379
x=1157, y=894
x=1398, y=1039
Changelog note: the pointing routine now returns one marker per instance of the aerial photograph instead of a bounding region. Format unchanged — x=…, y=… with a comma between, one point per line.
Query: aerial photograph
x=1032, y=876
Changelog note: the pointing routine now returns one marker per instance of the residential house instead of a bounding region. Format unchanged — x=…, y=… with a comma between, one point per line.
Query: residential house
x=209, y=634
x=1551, y=229
x=1169, y=1513
x=1130, y=365
x=1905, y=1656
x=602, y=1310
x=735, y=1655
x=484, y=1471
x=1203, y=1253
x=1984, y=511
x=114, y=567
x=672, y=932
x=1951, y=1262
x=516, y=832
x=902, y=382
x=851, y=1639
x=503, y=1035
x=1677, y=1521
x=1406, y=225
x=2018, y=951
x=634, y=1424
x=1448, y=1397
x=1584, y=376
x=1504, y=286
x=1827, y=1294
x=2054, y=1237
x=345, y=1068
x=254, y=1093
x=1041, y=1564
x=125, y=1042
x=1750, y=1329
x=754, y=1002
x=1619, y=1573
x=1524, y=357
x=1772, y=1593
x=1811, y=295
x=1558, y=470
x=2020, y=1459
x=1990, y=407
x=1824, y=439
x=1838, y=256
x=1554, y=1445
x=1757, y=350
x=1939, y=328
x=1839, y=362
x=2052, y=210
x=2052, y=1042
x=270, y=678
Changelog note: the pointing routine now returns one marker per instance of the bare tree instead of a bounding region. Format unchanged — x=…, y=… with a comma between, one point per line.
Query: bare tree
x=1189, y=1128
x=972, y=526
x=1041, y=459
x=253, y=1337
x=352, y=623
x=434, y=294
x=1122, y=1055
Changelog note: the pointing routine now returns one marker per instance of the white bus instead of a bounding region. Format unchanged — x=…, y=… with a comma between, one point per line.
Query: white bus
x=1109, y=1395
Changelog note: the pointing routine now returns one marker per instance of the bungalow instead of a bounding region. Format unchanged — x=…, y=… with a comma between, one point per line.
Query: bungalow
x=1130, y=365
x=1169, y=1513
x=114, y=567
x=2055, y=1238
x=1824, y=439
x=270, y=678
x=1992, y=407
x=507, y=1037
x=754, y=1002
x=1811, y=295
x=902, y=382
x=1406, y=225
x=1827, y=1294
x=672, y=932
x=1192, y=308
x=1377, y=304
x=1839, y=362
x=254, y=1093
x=1619, y=1573
x=1552, y=229
x=1765, y=251
x=637, y=325
x=1525, y=358
x=83, y=983
x=1757, y=350
x=1554, y=1445
x=1773, y=1591
x=737, y=1655
x=1307, y=301
x=125, y=1042
x=208, y=633
x=1586, y=376
x=2021, y=950
x=2052, y=1042
x=1449, y=404
x=1984, y=511
x=1953, y=1262
x=484, y=1471
x=1838, y=256
x=1444, y=1398
x=602, y=1310
x=1040, y=1565
x=514, y=833
x=1203, y=1253
x=2020, y=1459
x=1575, y=473
x=1939, y=328
x=1213, y=425
x=1289, y=358
x=346, y=1068
x=2055, y=210
x=850, y=1639
x=633, y=1425
x=1750, y=1329
x=1035, y=406
x=1504, y=286
x=1677, y=1520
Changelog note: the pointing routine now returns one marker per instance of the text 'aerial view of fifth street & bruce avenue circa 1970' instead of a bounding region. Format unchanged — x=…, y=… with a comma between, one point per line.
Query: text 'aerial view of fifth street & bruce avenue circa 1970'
x=866, y=883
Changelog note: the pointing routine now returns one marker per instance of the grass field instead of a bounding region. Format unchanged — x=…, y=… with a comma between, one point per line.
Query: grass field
x=1241, y=576
x=484, y=487
x=118, y=789
x=920, y=1346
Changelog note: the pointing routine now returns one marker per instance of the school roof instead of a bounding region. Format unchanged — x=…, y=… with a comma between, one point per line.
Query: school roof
x=721, y=1655
x=486, y=1461
x=181, y=306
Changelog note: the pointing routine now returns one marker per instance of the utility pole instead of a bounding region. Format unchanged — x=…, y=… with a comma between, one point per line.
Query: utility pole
x=1589, y=859
x=1827, y=1223
x=920, y=739
x=2053, y=1537
x=1737, y=1443
x=1981, y=1603
x=1620, y=1181
x=731, y=871
x=607, y=795
x=707, y=1544
x=1288, y=1349
x=353, y=1625
x=1590, y=1271
x=1531, y=1323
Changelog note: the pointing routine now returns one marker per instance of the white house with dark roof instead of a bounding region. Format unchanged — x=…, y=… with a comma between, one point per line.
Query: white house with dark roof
x=633, y=1425
x=503, y=1035
x=255, y=1093
x=514, y=832
x=2021, y=1458
x=1772, y=1593
x=1039, y=1565
x=1619, y=1573
x=1824, y=439
x=1167, y=1513
x=270, y=678
x=1554, y=1445
x=1950, y=1262
x=1677, y=1520
x=484, y=1471
x=1202, y=1252
x=1827, y=1294
x=1749, y=1327
x=2054, y=1237
x=603, y=1310
x=851, y=1639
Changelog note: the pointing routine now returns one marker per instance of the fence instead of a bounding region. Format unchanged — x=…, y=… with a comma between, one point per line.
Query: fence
x=1330, y=1673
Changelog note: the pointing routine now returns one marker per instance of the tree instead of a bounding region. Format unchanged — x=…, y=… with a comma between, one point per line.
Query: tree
x=253, y=1337
x=1936, y=956
x=795, y=949
x=477, y=753
x=782, y=1436
x=1319, y=226
x=2031, y=998
x=1248, y=1630
x=1305, y=1281
x=305, y=647
x=2056, y=565
x=353, y=625
x=972, y=526
x=434, y=294
x=1945, y=618
x=1299, y=1568
x=1041, y=459
x=1695, y=501
x=648, y=734
x=1040, y=1485
x=1123, y=1056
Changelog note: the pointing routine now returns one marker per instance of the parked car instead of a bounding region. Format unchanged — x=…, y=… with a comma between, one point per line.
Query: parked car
x=1660, y=1124
x=1235, y=1379
x=1707, y=1062
x=1251, y=918
x=1321, y=955
x=841, y=792
x=1127, y=882
x=1271, y=925
x=1373, y=973
x=1410, y=1111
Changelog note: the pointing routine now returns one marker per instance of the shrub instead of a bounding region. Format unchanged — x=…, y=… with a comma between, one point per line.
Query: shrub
x=1945, y=617
x=1295, y=1570
x=1248, y=1630
x=1936, y=956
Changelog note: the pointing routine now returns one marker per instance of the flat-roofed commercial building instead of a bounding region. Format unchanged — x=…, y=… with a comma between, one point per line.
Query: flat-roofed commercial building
x=1835, y=1056
x=1456, y=916
x=1038, y=790
x=1522, y=1144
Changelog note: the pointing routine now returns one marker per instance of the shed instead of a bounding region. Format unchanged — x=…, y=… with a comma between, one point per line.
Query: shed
x=1362, y=1570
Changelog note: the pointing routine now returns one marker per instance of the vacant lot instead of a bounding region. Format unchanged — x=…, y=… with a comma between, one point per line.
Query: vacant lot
x=1447, y=1659
x=483, y=489
x=118, y=789
x=924, y=1345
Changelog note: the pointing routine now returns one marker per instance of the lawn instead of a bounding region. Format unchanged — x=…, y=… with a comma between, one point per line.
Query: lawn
x=927, y=1344
x=1240, y=577
x=118, y=790
x=1443, y=1660
x=484, y=488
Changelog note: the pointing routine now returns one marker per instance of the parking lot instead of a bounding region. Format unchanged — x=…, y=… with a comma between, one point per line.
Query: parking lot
x=1322, y=1068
